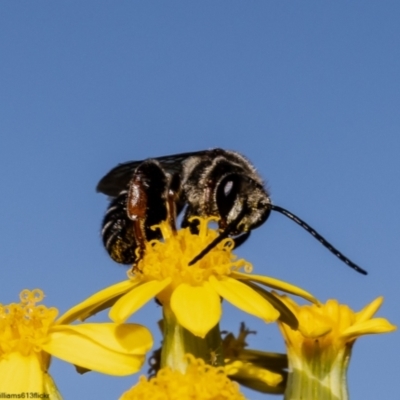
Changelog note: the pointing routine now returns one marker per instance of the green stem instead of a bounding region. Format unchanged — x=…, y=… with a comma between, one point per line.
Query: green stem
x=178, y=341
x=321, y=374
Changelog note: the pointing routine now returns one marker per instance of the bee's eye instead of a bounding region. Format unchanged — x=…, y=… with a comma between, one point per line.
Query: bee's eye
x=228, y=188
x=227, y=192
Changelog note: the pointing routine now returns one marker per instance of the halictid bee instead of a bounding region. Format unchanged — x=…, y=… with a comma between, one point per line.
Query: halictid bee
x=214, y=182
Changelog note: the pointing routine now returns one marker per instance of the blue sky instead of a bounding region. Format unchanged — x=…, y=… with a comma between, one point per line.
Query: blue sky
x=309, y=91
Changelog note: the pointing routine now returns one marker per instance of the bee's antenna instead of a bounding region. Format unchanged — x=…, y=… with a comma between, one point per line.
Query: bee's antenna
x=224, y=234
x=317, y=236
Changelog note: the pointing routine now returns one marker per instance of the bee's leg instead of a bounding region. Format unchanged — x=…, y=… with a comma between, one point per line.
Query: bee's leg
x=207, y=208
x=136, y=209
x=146, y=204
x=192, y=224
x=173, y=199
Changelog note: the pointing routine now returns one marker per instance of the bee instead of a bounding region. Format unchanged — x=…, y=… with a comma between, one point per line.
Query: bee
x=206, y=183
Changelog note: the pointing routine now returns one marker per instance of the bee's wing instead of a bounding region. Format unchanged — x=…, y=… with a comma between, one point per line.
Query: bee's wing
x=118, y=178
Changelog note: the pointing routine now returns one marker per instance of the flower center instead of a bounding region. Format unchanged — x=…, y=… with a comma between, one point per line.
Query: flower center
x=24, y=325
x=199, y=382
x=171, y=257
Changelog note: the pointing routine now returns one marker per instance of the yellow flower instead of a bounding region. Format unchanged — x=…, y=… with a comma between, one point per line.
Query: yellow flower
x=198, y=382
x=319, y=351
x=192, y=292
x=29, y=336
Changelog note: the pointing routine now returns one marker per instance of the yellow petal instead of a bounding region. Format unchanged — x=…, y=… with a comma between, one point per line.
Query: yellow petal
x=97, y=302
x=124, y=338
x=375, y=325
x=71, y=346
x=244, y=371
x=369, y=311
x=197, y=308
x=21, y=374
x=244, y=298
x=286, y=314
x=51, y=388
x=135, y=299
x=276, y=284
x=312, y=327
x=257, y=378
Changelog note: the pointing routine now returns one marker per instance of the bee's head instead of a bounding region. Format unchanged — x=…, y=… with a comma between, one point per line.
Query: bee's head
x=239, y=196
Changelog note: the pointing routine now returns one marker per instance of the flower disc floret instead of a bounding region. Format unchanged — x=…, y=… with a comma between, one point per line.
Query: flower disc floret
x=199, y=382
x=24, y=326
x=170, y=258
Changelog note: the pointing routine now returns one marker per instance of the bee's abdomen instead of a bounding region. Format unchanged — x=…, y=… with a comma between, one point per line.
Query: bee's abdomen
x=117, y=231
